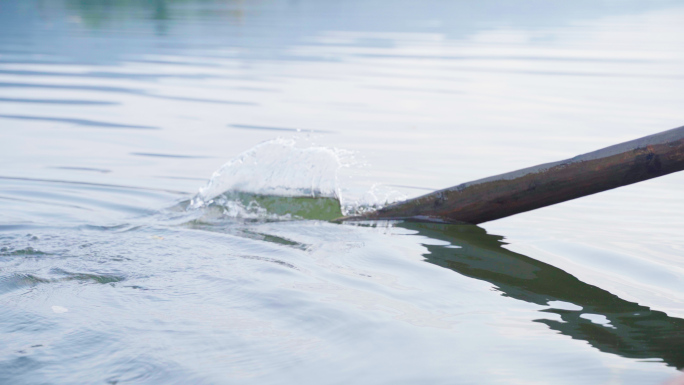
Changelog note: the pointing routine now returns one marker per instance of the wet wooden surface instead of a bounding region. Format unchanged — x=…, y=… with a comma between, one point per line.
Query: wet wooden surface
x=544, y=185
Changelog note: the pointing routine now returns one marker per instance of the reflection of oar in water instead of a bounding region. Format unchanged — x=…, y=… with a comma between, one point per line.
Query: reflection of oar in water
x=544, y=185
x=634, y=331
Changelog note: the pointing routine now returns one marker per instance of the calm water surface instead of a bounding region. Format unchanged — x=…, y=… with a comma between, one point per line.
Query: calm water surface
x=113, y=114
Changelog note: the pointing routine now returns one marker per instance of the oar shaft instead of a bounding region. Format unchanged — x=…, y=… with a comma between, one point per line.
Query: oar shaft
x=547, y=184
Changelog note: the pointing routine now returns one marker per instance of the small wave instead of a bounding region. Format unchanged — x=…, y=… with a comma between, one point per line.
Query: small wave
x=28, y=251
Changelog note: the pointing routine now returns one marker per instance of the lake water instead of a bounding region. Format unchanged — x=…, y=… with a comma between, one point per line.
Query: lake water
x=114, y=114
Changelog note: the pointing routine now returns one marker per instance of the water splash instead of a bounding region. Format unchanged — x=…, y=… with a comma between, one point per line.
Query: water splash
x=277, y=167
x=285, y=179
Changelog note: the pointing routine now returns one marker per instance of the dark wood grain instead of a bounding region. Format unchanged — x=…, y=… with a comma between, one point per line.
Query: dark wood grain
x=544, y=185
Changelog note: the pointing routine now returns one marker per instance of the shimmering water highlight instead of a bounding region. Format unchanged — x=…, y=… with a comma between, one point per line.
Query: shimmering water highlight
x=114, y=114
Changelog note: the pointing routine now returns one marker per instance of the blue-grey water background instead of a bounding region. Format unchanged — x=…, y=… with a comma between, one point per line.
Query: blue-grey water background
x=114, y=113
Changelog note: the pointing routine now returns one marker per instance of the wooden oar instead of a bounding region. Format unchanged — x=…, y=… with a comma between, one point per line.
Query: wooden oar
x=544, y=185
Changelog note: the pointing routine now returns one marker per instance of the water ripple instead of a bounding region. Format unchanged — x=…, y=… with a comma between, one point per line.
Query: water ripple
x=78, y=122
